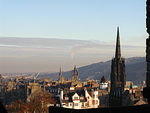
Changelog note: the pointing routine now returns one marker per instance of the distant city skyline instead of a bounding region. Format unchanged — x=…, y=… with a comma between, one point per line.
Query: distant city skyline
x=79, y=19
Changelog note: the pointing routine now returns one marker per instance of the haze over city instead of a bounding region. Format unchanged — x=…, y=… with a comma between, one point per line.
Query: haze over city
x=44, y=35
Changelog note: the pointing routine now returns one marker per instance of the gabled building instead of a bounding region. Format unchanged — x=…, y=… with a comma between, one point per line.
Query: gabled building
x=79, y=99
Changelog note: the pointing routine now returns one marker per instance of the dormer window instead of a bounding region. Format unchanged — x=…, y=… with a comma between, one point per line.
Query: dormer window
x=76, y=98
x=66, y=98
x=81, y=98
x=94, y=95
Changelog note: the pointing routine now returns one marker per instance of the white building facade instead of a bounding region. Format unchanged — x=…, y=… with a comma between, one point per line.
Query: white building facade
x=80, y=99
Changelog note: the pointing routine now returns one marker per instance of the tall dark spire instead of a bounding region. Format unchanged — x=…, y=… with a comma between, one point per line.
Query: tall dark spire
x=118, y=50
x=60, y=72
x=117, y=76
x=75, y=71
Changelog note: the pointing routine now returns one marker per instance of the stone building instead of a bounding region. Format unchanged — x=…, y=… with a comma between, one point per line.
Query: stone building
x=61, y=79
x=117, y=76
x=32, y=88
x=75, y=76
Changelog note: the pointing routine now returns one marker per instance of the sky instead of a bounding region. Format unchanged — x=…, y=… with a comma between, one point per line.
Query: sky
x=74, y=19
x=42, y=35
x=48, y=55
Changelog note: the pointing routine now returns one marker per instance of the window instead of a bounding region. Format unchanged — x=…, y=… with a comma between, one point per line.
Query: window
x=96, y=101
x=75, y=104
x=66, y=98
x=94, y=95
x=82, y=104
x=76, y=98
x=81, y=98
x=93, y=102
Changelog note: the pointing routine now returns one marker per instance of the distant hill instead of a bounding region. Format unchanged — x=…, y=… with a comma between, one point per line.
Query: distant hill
x=23, y=55
x=135, y=70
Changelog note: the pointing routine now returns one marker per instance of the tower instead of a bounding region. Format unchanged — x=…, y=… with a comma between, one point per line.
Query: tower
x=75, y=76
x=117, y=76
x=61, y=78
x=103, y=80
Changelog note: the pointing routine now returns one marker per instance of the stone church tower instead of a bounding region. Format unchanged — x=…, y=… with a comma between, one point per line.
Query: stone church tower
x=75, y=76
x=117, y=76
x=61, y=79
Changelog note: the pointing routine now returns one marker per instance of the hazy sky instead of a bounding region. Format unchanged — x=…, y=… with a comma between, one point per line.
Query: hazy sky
x=74, y=19
x=91, y=23
x=47, y=55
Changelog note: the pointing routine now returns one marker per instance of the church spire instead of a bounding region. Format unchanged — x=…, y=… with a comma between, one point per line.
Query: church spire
x=118, y=50
x=75, y=76
x=60, y=72
x=61, y=79
x=117, y=76
x=75, y=71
